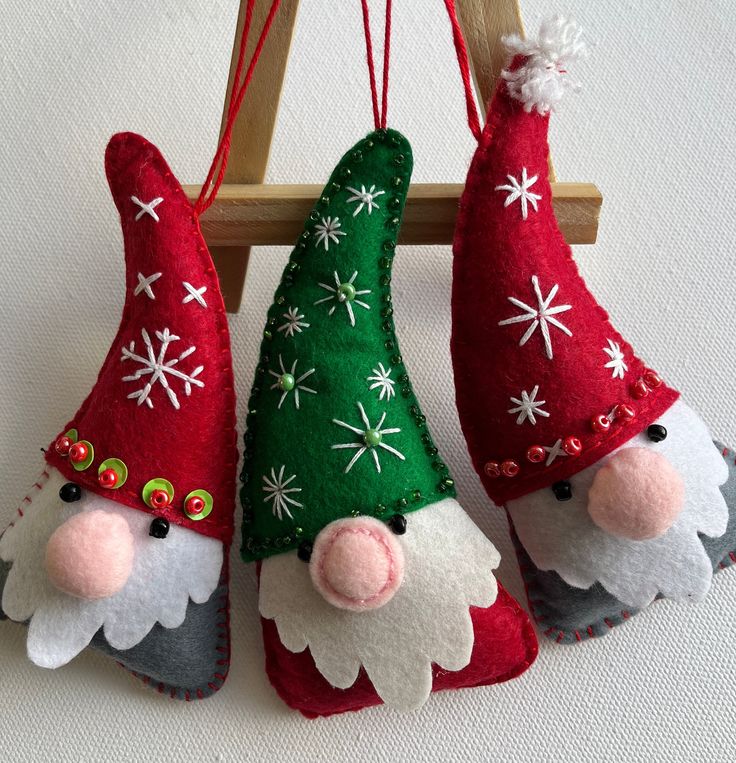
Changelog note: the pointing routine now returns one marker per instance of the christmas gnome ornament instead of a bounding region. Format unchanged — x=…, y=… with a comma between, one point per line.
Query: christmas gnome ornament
x=612, y=484
x=122, y=543
x=375, y=586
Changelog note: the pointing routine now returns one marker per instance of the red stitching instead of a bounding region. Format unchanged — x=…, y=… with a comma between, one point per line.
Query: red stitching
x=591, y=632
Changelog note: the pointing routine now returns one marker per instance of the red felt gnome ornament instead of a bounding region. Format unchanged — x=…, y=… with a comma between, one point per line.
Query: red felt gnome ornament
x=611, y=483
x=123, y=542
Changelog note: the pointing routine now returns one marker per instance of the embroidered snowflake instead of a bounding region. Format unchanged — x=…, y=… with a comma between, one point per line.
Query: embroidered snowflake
x=277, y=490
x=553, y=452
x=518, y=190
x=541, y=316
x=616, y=363
x=287, y=381
x=160, y=369
x=294, y=323
x=382, y=380
x=370, y=439
x=528, y=407
x=366, y=198
x=344, y=294
x=328, y=230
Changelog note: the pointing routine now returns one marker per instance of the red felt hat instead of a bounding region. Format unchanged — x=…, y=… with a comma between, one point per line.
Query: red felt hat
x=157, y=431
x=545, y=384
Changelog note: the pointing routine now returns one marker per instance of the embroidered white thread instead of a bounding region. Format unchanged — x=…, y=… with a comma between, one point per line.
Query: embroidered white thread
x=328, y=230
x=553, y=452
x=147, y=209
x=382, y=381
x=344, y=294
x=616, y=363
x=371, y=438
x=160, y=369
x=277, y=490
x=194, y=294
x=540, y=316
x=286, y=381
x=294, y=323
x=144, y=285
x=518, y=190
x=366, y=198
x=528, y=407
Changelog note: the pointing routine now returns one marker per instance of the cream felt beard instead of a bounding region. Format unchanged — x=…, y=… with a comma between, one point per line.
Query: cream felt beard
x=561, y=536
x=166, y=574
x=448, y=569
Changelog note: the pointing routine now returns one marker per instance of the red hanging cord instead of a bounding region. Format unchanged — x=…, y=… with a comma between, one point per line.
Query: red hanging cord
x=379, y=116
x=237, y=94
x=462, y=59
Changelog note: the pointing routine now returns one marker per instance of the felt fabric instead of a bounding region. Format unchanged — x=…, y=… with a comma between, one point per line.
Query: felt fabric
x=164, y=401
x=561, y=536
x=537, y=364
x=569, y=615
x=504, y=646
x=167, y=574
x=427, y=622
x=331, y=385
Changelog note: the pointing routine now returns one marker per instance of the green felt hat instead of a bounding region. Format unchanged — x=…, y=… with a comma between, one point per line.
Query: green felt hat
x=334, y=429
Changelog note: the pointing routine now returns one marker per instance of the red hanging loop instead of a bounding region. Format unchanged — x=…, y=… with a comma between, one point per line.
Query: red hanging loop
x=237, y=94
x=462, y=59
x=379, y=116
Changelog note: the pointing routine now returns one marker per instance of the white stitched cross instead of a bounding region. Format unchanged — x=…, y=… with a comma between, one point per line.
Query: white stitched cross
x=194, y=294
x=147, y=209
x=144, y=285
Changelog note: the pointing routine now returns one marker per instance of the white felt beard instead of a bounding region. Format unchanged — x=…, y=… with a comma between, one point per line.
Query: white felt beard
x=449, y=565
x=167, y=572
x=560, y=536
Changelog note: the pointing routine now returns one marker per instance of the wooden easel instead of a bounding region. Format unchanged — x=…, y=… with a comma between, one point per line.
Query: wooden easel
x=248, y=213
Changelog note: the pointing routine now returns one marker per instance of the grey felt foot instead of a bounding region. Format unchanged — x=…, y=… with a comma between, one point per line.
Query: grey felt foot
x=568, y=615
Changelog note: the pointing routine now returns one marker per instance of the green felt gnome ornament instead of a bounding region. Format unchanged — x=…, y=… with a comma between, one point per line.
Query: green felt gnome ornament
x=368, y=560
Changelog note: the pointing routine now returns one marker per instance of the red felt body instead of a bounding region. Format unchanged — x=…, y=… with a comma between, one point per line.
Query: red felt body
x=496, y=253
x=505, y=646
x=193, y=447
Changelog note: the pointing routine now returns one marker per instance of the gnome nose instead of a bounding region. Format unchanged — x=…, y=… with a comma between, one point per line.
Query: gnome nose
x=91, y=555
x=357, y=564
x=638, y=495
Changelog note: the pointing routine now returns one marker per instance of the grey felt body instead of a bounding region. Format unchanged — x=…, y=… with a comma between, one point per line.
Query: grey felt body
x=189, y=662
x=568, y=615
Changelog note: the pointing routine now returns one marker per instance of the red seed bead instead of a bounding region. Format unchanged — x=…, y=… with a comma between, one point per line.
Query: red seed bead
x=509, y=468
x=639, y=389
x=78, y=452
x=624, y=413
x=572, y=446
x=160, y=499
x=653, y=379
x=63, y=444
x=600, y=423
x=535, y=454
x=108, y=478
x=492, y=469
x=195, y=505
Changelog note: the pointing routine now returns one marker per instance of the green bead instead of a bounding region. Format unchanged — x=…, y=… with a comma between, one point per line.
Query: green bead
x=372, y=438
x=346, y=292
x=286, y=382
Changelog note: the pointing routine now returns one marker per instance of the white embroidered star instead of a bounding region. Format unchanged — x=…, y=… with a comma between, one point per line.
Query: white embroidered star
x=553, y=452
x=540, y=316
x=366, y=198
x=616, y=362
x=286, y=381
x=147, y=208
x=528, y=407
x=519, y=190
x=194, y=294
x=144, y=285
x=328, y=230
x=382, y=380
x=371, y=439
x=344, y=294
x=294, y=323
x=277, y=490
x=160, y=369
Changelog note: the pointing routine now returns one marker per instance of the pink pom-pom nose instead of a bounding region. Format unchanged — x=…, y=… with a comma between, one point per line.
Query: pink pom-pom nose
x=91, y=555
x=638, y=495
x=357, y=564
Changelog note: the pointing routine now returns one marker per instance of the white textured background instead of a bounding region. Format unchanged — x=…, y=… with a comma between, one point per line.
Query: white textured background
x=653, y=127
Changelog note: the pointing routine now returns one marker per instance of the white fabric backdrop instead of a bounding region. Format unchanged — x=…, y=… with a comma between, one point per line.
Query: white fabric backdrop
x=653, y=127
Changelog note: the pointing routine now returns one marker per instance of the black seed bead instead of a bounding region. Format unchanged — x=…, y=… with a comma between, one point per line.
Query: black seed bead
x=389, y=246
x=357, y=156
x=416, y=495
x=385, y=280
x=432, y=451
x=562, y=490
x=426, y=439
x=404, y=379
x=402, y=503
x=267, y=334
x=387, y=312
x=380, y=508
x=396, y=359
x=389, y=344
x=324, y=201
x=345, y=173
x=397, y=524
x=305, y=236
x=335, y=187
x=394, y=203
x=656, y=432
x=385, y=262
x=159, y=528
x=397, y=182
x=393, y=222
x=280, y=300
x=248, y=517
x=314, y=215
x=405, y=391
x=70, y=492
x=387, y=326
